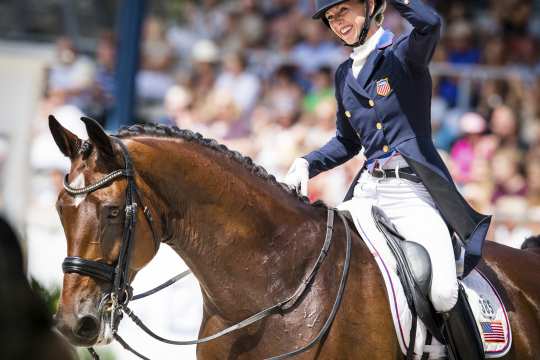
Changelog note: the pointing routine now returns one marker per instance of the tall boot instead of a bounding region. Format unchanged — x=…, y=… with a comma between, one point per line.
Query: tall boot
x=461, y=332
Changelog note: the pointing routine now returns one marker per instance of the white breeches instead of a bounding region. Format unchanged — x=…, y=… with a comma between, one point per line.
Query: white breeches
x=412, y=210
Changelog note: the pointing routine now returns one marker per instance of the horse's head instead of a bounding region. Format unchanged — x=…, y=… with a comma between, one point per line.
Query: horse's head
x=99, y=207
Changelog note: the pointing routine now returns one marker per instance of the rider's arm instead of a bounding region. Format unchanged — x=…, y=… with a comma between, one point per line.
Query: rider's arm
x=418, y=48
x=342, y=147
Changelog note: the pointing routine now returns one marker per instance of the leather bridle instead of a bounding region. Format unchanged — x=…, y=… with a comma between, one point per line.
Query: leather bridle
x=115, y=274
x=118, y=274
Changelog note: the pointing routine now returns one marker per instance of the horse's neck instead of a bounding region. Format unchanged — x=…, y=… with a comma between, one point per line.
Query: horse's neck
x=248, y=242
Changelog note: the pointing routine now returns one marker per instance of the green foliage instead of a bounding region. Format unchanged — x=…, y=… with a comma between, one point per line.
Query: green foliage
x=104, y=354
x=51, y=297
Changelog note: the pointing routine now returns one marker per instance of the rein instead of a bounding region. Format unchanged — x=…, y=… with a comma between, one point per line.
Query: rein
x=122, y=293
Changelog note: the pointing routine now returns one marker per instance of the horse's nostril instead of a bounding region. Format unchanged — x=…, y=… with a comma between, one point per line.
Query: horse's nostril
x=88, y=327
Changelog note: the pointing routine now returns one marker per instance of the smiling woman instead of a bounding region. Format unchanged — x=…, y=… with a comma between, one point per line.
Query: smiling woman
x=347, y=19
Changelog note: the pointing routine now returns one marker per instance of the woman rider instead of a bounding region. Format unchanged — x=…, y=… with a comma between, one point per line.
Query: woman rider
x=383, y=92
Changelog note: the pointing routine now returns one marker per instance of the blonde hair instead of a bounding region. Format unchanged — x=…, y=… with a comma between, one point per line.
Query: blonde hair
x=380, y=16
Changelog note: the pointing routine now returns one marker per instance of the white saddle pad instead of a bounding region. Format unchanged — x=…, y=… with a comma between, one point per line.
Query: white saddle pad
x=489, y=310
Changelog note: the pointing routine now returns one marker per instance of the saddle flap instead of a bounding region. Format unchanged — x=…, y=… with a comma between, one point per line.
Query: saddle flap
x=414, y=256
x=414, y=270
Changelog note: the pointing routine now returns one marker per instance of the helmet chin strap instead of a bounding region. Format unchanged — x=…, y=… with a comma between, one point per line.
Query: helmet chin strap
x=362, y=37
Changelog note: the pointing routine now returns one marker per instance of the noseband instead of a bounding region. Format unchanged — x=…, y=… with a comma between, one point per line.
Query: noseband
x=116, y=274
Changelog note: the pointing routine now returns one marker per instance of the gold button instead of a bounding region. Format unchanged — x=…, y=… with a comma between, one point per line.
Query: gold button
x=371, y=103
x=348, y=114
x=386, y=148
x=379, y=126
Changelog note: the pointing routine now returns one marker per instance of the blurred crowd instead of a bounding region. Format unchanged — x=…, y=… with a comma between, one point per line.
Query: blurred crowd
x=257, y=75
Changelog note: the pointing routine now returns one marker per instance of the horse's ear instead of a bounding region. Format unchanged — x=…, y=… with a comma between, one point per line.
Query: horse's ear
x=98, y=137
x=67, y=142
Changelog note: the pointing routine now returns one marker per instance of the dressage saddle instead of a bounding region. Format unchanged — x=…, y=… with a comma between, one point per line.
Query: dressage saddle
x=457, y=329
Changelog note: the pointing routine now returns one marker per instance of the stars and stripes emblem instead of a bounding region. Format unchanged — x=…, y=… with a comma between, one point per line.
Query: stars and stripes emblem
x=493, y=331
x=383, y=87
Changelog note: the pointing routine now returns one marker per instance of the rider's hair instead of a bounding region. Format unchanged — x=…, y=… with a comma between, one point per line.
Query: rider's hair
x=380, y=17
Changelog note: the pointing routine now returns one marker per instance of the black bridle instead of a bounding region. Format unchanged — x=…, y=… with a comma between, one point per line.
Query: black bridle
x=118, y=274
x=115, y=274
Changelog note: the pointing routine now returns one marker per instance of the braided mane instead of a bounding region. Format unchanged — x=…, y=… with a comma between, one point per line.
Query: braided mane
x=188, y=135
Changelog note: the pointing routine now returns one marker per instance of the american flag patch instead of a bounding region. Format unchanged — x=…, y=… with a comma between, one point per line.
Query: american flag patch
x=493, y=331
x=383, y=87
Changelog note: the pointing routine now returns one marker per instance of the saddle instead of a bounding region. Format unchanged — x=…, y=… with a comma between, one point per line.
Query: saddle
x=414, y=270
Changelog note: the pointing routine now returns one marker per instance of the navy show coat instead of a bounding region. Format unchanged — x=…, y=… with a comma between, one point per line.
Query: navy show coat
x=400, y=120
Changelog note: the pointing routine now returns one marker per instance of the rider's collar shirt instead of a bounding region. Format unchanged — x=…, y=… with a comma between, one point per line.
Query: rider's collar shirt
x=361, y=53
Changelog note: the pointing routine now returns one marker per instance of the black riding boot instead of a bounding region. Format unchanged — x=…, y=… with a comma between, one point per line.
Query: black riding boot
x=461, y=333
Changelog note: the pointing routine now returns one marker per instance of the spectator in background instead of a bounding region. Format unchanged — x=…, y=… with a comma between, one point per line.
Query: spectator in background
x=315, y=50
x=207, y=18
x=157, y=60
x=252, y=25
x=532, y=170
x=460, y=50
x=280, y=108
x=105, y=82
x=505, y=127
x=71, y=76
x=284, y=96
x=321, y=89
x=204, y=57
x=236, y=80
x=506, y=169
x=494, y=52
x=177, y=105
x=511, y=213
x=464, y=151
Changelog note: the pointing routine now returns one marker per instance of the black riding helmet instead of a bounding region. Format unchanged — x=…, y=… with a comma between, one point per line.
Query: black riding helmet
x=323, y=5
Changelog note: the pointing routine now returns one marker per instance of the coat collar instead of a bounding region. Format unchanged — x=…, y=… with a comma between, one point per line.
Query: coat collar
x=372, y=61
x=386, y=40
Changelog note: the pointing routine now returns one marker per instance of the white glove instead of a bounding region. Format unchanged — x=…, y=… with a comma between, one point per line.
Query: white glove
x=298, y=176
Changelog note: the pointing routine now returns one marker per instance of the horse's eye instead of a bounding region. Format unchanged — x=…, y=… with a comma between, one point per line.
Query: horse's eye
x=114, y=213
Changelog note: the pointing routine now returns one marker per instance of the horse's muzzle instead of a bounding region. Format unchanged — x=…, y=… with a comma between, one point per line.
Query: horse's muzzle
x=79, y=330
x=87, y=328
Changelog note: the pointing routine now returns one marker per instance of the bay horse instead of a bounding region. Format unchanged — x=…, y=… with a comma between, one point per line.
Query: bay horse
x=250, y=242
x=26, y=325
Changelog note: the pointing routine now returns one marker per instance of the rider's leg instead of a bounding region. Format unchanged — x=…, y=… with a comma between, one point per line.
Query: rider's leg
x=410, y=207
